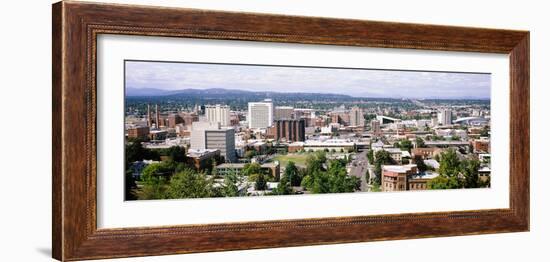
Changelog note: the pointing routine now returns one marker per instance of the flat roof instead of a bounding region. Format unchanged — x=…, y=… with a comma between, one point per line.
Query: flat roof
x=241, y=165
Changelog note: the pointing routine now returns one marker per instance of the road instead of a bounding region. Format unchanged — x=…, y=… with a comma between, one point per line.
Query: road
x=359, y=167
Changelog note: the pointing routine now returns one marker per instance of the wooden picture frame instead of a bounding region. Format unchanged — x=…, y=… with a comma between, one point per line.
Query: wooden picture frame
x=76, y=26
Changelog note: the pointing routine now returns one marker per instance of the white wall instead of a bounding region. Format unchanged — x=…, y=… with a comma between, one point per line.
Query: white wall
x=25, y=55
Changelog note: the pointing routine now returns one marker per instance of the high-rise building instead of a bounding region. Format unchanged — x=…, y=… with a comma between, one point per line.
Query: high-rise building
x=149, y=122
x=375, y=127
x=283, y=112
x=356, y=117
x=223, y=140
x=174, y=119
x=218, y=114
x=289, y=129
x=207, y=135
x=260, y=114
x=157, y=118
x=445, y=117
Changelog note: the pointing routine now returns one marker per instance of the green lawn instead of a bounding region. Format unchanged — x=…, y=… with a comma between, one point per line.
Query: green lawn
x=299, y=159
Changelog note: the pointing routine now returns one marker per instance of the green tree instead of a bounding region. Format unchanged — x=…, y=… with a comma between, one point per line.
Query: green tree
x=370, y=156
x=283, y=188
x=261, y=183
x=443, y=182
x=450, y=164
x=405, y=145
x=292, y=173
x=177, y=154
x=382, y=157
x=251, y=169
x=420, y=163
x=314, y=162
x=230, y=188
x=470, y=170
x=134, y=151
x=130, y=186
x=164, y=169
x=250, y=153
x=420, y=142
x=189, y=184
x=153, y=187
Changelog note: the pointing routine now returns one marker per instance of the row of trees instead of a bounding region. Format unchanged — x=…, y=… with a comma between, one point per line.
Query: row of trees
x=171, y=180
x=327, y=176
x=455, y=173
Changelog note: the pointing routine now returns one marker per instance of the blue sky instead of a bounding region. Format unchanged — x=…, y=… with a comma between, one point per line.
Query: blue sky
x=353, y=82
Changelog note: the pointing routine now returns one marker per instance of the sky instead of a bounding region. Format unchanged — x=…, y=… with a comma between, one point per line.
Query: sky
x=353, y=82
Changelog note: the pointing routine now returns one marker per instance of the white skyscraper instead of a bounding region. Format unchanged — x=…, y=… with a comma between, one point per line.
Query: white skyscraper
x=218, y=114
x=356, y=117
x=260, y=114
x=445, y=117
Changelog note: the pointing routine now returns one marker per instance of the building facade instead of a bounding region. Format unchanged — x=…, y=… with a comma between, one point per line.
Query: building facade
x=260, y=114
x=290, y=130
x=284, y=112
x=445, y=117
x=394, y=177
x=218, y=114
x=223, y=140
x=357, y=117
x=138, y=132
x=375, y=128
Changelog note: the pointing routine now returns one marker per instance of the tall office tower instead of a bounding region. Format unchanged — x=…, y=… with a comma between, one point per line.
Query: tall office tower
x=435, y=121
x=283, y=112
x=207, y=135
x=218, y=114
x=356, y=117
x=260, y=114
x=174, y=119
x=149, y=116
x=445, y=117
x=375, y=127
x=290, y=129
x=157, y=118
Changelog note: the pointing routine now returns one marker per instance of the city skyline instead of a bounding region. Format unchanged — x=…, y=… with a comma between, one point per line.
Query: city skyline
x=376, y=83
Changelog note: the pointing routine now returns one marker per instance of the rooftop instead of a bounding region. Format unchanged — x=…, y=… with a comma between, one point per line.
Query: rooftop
x=398, y=168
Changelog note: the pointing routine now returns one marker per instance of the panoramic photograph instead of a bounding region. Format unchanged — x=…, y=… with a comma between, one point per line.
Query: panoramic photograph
x=208, y=130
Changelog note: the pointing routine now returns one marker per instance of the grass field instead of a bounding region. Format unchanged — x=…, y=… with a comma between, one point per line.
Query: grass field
x=299, y=159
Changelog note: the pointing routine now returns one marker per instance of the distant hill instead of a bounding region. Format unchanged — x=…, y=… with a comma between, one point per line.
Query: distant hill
x=217, y=93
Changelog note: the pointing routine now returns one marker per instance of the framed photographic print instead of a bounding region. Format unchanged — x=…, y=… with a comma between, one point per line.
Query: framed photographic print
x=182, y=130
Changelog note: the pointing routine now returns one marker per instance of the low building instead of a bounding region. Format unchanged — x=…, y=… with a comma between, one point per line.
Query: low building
x=138, y=166
x=295, y=147
x=432, y=163
x=419, y=181
x=446, y=143
x=158, y=134
x=394, y=177
x=426, y=152
x=337, y=145
x=203, y=158
x=395, y=153
x=482, y=146
x=141, y=132
x=405, y=177
x=273, y=168
x=484, y=173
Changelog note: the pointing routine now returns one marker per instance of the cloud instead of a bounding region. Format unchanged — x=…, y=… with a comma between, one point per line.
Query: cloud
x=354, y=82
